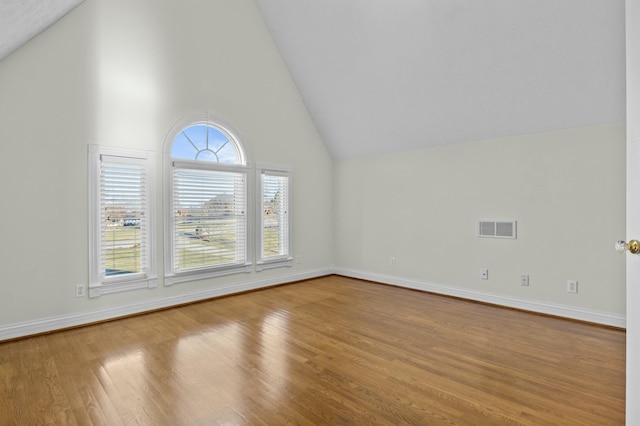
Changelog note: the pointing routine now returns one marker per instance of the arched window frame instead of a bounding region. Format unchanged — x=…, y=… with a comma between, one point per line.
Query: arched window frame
x=173, y=169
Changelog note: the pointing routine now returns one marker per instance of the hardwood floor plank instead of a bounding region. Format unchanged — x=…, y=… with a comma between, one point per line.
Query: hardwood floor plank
x=334, y=351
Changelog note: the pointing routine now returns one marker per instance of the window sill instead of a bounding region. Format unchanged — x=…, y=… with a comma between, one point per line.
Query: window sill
x=97, y=290
x=183, y=277
x=280, y=263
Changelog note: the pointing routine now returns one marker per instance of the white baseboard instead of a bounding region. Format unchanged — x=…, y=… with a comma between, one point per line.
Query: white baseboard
x=511, y=302
x=44, y=325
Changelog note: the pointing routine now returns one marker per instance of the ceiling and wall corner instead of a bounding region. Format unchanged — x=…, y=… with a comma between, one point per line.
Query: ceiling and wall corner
x=21, y=20
x=380, y=76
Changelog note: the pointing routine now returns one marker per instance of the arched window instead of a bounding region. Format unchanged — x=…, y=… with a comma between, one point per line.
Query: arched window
x=204, y=141
x=207, y=201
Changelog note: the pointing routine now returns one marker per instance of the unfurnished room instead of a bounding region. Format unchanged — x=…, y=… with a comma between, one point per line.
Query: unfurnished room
x=270, y=212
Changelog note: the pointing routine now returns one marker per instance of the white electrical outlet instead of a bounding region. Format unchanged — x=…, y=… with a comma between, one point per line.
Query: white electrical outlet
x=80, y=290
x=484, y=274
x=524, y=280
x=572, y=286
x=392, y=261
x=299, y=259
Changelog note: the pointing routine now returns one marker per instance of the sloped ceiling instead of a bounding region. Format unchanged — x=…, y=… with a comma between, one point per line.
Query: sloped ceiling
x=21, y=20
x=381, y=75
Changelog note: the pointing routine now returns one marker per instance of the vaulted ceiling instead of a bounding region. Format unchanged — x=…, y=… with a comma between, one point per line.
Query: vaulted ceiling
x=380, y=75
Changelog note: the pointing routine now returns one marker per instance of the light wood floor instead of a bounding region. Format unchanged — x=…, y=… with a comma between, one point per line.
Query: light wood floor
x=330, y=351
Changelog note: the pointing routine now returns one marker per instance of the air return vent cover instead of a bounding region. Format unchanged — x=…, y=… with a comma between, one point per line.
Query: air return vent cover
x=497, y=228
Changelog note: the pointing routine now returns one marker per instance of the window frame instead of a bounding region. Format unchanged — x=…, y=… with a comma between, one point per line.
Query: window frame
x=99, y=284
x=171, y=276
x=286, y=259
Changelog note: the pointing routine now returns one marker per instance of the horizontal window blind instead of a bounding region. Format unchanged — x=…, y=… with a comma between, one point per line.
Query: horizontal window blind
x=124, y=223
x=210, y=221
x=275, y=215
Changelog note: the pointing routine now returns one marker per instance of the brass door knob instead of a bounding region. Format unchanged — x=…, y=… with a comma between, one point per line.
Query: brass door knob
x=633, y=246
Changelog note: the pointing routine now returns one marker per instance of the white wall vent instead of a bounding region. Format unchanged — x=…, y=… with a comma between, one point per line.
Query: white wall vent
x=497, y=229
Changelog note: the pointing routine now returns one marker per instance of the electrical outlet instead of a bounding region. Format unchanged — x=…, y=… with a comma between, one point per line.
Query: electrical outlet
x=80, y=290
x=392, y=261
x=572, y=286
x=524, y=280
x=299, y=259
x=484, y=274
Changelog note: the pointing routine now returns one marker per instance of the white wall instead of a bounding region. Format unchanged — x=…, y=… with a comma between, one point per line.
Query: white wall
x=121, y=73
x=565, y=189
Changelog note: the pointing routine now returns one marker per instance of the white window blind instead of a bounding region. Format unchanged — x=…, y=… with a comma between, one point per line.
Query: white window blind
x=210, y=218
x=123, y=207
x=274, y=233
x=121, y=237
